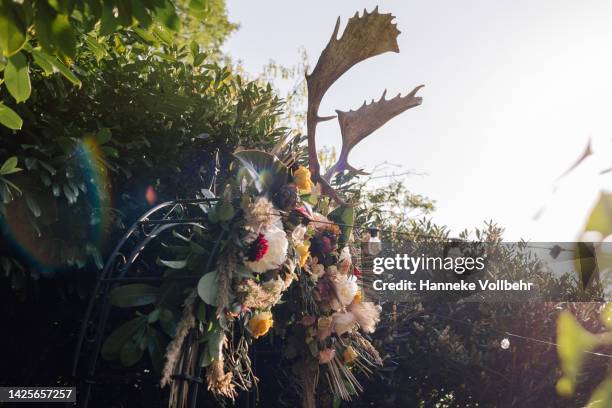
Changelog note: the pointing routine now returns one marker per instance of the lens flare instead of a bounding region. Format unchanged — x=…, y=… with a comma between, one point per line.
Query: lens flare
x=62, y=225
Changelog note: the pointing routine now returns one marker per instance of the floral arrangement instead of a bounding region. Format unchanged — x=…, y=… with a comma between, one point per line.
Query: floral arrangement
x=280, y=238
x=273, y=253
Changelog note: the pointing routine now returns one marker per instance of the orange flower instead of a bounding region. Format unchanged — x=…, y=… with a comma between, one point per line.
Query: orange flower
x=260, y=324
x=349, y=355
x=302, y=179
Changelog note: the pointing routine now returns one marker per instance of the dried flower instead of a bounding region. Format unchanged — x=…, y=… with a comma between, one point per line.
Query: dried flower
x=256, y=296
x=260, y=324
x=344, y=261
x=220, y=382
x=174, y=347
x=286, y=198
x=258, y=248
x=308, y=320
x=343, y=322
x=260, y=214
x=324, y=327
x=323, y=244
x=276, y=253
x=317, y=271
x=301, y=176
x=346, y=288
x=367, y=314
x=326, y=291
x=274, y=285
x=288, y=279
x=321, y=224
x=349, y=355
x=326, y=355
x=303, y=252
x=298, y=234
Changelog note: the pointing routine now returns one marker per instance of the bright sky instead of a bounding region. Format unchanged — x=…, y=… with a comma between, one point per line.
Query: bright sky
x=514, y=89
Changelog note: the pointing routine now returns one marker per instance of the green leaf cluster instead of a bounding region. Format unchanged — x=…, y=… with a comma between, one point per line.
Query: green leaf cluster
x=46, y=34
x=145, y=115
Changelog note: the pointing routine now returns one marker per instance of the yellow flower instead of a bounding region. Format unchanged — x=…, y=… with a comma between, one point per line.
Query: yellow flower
x=349, y=355
x=303, y=250
x=358, y=297
x=260, y=324
x=302, y=179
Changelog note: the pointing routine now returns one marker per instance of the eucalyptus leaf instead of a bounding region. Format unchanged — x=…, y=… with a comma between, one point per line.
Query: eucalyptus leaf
x=174, y=264
x=207, y=288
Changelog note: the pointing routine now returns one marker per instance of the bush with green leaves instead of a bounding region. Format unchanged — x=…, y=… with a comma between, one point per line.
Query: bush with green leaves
x=48, y=35
x=146, y=116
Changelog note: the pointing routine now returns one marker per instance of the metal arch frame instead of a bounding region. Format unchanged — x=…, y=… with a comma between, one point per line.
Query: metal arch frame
x=149, y=226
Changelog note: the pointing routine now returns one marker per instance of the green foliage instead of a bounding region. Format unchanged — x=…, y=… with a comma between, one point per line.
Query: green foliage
x=207, y=288
x=137, y=294
x=574, y=342
x=9, y=118
x=573, y=339
x=17, y=77
x=144, y=116
x=345, y=217
x=602, y=396
x=47, y=34
x=113, y=345
x=55, y=25
x=204, y=22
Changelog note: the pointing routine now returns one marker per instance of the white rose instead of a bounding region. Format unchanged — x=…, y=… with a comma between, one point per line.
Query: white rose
x=346, y=288
x=277, y=251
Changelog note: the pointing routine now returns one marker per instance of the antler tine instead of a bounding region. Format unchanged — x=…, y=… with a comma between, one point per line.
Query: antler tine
x=358, y=124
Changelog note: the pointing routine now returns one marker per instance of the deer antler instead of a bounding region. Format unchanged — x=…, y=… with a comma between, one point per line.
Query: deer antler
x=364, y=36
x=359, y=124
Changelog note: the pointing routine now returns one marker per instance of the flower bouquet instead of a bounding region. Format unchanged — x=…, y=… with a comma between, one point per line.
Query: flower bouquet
x=276, y=241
